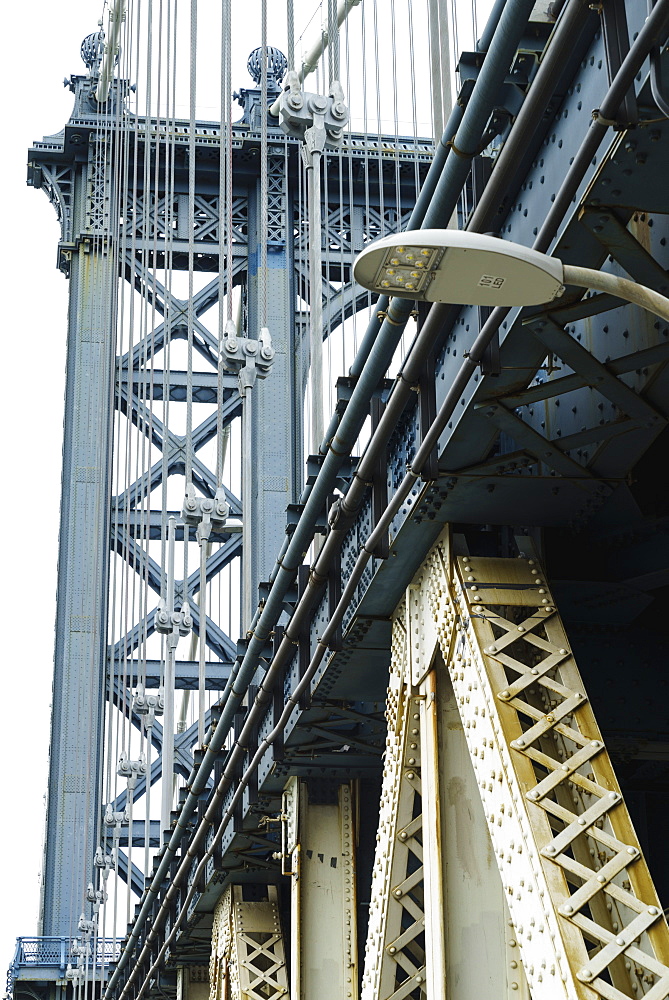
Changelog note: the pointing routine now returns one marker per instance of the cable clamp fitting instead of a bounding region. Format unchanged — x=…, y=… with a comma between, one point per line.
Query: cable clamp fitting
x=384, y=316
x=459, y=152
x=608, y=122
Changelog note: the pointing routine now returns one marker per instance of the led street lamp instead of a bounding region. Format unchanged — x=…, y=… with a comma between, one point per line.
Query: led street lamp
x=451, y=265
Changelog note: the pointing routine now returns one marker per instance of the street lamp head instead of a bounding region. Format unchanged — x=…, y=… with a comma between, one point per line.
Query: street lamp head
x=449, y=265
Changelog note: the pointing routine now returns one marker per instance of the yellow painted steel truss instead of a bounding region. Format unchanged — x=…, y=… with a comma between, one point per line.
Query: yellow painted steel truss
x=584, y=914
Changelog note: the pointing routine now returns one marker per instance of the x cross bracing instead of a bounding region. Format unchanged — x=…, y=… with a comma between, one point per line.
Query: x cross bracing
x=132, y=527
x=175, y=312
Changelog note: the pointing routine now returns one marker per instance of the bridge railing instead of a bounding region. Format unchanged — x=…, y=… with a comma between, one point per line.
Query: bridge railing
x=56, y=953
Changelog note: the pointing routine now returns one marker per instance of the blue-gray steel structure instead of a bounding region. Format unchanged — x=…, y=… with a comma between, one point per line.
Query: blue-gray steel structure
x=559, y=434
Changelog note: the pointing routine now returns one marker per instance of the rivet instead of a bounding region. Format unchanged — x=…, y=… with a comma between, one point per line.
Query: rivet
x=585, y=974
x=653, y=910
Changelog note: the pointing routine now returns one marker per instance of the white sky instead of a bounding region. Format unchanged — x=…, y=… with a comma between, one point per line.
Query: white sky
x=42, y=47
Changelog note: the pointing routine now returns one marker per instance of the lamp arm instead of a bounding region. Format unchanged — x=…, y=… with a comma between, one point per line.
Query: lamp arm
x=639, y=295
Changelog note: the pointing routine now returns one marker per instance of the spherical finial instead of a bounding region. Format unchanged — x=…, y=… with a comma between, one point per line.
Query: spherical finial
x=92, y=49
x=277, y=64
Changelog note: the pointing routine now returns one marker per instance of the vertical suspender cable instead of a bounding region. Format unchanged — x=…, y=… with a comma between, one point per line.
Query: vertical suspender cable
x=434, y=36
x=191, y=239
x=333, y=41
x=168, y=718
x=247, y=414
x=290, y=33
x=315, y=297
x=263, y=171
x=191, y=323
x=225, y=283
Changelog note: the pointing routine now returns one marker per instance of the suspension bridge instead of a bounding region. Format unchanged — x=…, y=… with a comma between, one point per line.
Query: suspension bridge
x=358, y=675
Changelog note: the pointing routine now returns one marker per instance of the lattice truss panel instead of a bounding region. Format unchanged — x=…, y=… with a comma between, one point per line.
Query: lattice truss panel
x=584, y=911
x=346, y=230
x=247, y=949
x=169, y=218
x=395, y=956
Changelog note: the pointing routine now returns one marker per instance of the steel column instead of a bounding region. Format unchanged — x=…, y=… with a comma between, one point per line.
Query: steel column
x=320, y=845
x=277, y=400
x=80, y=653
